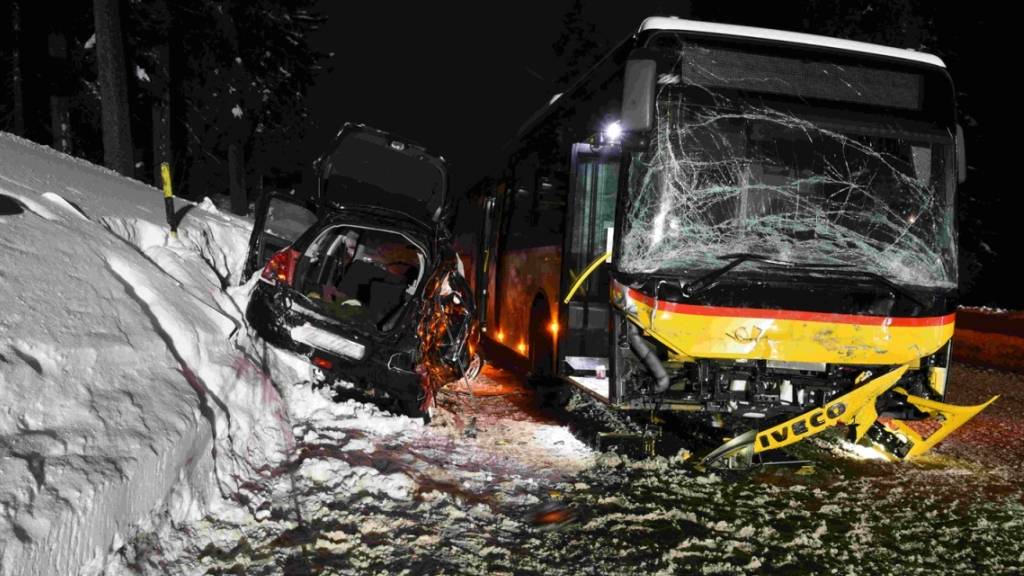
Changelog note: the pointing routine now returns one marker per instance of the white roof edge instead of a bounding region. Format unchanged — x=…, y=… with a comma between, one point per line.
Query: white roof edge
x=670, y=23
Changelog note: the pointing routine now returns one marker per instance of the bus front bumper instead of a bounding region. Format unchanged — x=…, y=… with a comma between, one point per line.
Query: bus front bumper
x=857, y=409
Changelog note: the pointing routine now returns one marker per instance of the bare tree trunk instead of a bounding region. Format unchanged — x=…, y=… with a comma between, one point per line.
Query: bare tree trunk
x=162, y=114
x=60, y=118
x=16, y=77
x=117, y=134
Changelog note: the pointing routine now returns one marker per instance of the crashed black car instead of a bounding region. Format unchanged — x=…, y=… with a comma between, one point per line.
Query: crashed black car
x=362, y=277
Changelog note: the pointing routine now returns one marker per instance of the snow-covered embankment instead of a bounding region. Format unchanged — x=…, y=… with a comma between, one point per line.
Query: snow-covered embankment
x=128, y=384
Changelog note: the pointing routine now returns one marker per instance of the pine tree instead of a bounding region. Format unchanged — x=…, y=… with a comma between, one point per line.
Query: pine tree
x=12, y=113
x=580, y=46
x=240, y=73
x=118, y=153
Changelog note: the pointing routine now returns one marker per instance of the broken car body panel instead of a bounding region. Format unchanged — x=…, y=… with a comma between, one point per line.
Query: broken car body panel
x=356, y=290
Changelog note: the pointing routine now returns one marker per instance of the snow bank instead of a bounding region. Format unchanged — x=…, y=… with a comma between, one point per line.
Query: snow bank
x=128, y=382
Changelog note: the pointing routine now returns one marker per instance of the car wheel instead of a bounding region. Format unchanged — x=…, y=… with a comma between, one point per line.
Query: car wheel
x=476, y=363
x=411, y=407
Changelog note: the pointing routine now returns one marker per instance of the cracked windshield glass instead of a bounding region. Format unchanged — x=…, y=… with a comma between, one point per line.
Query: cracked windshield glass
x=752, y=154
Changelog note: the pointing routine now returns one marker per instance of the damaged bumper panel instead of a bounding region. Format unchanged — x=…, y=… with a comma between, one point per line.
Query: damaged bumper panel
x=899, y=441
x=701, y=330
x=798, y=372
x=856, y=410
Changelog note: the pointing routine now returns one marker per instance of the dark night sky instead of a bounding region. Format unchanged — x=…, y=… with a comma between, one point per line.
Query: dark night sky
x=461, y=79
x=458, y=79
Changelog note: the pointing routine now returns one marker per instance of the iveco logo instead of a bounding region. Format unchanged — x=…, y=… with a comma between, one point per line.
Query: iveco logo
x=813, y=422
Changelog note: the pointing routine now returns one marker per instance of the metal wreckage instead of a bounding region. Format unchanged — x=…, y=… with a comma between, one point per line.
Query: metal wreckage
x=784, y=255
x=362, y=277
x=827, y=253
x=783, y=261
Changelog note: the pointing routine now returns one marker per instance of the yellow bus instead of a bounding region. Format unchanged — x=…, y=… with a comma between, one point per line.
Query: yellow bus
x=750, y=225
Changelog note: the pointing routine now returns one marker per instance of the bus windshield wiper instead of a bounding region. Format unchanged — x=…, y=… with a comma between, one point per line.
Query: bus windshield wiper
x=893, y=287
x=706, y=281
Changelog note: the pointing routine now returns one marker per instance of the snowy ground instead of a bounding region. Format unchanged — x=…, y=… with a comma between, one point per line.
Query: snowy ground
x=144, y=430
x=361, y=497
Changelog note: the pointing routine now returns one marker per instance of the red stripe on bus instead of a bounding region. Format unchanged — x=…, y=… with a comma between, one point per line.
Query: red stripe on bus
x=761, y=313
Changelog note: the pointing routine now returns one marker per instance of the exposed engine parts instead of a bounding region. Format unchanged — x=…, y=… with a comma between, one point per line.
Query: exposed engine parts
x=779, y=403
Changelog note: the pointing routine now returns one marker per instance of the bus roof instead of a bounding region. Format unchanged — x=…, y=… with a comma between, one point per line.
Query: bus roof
x=671, y=23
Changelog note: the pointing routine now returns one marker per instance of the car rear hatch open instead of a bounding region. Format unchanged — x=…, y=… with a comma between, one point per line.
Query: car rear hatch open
x=369, y=167
x=361, y=271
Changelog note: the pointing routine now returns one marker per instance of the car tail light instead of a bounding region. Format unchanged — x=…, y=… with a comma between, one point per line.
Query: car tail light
x=323, y=363
x=281, y=267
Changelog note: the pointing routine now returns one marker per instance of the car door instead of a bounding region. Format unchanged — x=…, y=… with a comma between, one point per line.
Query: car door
x=281, y=217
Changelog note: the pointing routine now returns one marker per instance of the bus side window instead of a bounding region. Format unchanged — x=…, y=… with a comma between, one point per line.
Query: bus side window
x=551, y=199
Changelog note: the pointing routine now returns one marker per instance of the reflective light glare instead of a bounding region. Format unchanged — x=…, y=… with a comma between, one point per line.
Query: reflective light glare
x=613, y=132
x=553, y=327
x=521, y=347
x=501, y=336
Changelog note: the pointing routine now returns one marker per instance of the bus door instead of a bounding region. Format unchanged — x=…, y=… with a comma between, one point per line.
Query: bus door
x=485, y=256
x=585, y=341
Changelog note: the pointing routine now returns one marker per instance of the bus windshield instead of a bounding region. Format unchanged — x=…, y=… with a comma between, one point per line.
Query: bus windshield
x=730, y=171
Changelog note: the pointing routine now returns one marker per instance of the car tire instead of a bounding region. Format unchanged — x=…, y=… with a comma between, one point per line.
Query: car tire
x=411, y=407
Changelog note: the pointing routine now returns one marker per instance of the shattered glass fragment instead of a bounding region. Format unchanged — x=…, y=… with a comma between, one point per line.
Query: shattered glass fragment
x=728, y=173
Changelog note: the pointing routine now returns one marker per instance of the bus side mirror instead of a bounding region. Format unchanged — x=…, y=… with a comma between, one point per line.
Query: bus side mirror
x=638, y=91
x=961, y=155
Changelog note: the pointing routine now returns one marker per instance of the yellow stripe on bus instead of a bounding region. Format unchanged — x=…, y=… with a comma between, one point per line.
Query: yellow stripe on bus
x=722, y=337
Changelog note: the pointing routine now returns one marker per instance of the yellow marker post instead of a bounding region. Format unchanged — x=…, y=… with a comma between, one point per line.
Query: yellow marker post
x=165, y=177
